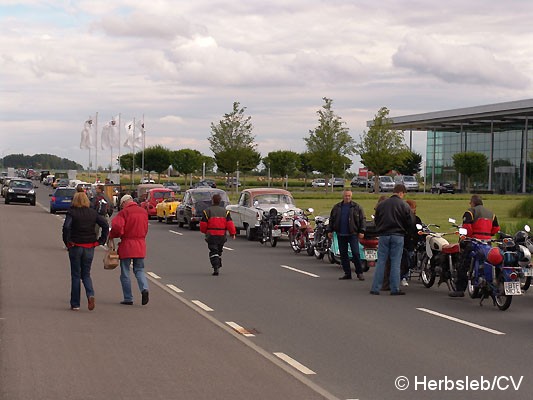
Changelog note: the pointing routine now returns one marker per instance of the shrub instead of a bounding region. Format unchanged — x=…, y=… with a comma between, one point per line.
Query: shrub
x=524, y=209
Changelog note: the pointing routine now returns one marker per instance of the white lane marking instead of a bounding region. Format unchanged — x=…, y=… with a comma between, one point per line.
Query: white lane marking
x=174, y=288
x=202, y=305
x=228, y=248
x=292, y=362
x=461, y=321
x=175, y=233
x=300, y=271
x=240, y=329
x=153, y=275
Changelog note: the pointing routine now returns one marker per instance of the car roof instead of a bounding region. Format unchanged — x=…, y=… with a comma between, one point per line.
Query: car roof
x=258, y=191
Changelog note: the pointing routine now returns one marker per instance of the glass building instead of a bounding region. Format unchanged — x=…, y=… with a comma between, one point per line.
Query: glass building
x=502, y=132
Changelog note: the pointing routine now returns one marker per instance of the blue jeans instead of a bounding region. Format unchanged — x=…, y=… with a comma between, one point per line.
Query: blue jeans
x=353, y=242
x=388, y=246
x=138, y=270
x=81, y=259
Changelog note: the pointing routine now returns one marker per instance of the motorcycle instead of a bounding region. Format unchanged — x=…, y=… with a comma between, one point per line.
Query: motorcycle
x=321, y=242
x=269, y=230
x=522, y=238
x=301, y=233
x=494, y=272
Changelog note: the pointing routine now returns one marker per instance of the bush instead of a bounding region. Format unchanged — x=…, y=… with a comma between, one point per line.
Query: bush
x=523, y=210
x=512, y=228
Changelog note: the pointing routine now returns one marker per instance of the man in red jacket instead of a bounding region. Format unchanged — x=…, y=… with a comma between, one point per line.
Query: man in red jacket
x=131, y=226
x=215, y=221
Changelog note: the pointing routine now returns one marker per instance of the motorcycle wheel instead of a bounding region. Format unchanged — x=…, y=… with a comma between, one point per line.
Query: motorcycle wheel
x=473, y=291
x=502, y=301
x=295, y=246
x=427, y=273
x=264, y=233
x=273, y=241
x=309, y=247
x=364, y=265
x=331, y=257
x=525, y=283
x=318, y=254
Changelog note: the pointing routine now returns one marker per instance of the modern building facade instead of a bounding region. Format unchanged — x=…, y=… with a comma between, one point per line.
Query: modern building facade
x=503, y=132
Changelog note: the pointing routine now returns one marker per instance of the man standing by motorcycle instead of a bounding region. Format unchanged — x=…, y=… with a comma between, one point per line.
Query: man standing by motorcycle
x=480, y=223
x=347, y=219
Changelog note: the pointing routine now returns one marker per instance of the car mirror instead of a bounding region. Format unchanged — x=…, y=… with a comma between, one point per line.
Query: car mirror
x=256, y=204
x=418, y=226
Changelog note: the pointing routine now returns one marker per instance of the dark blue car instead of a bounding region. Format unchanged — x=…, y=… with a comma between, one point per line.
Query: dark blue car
x=61, y=199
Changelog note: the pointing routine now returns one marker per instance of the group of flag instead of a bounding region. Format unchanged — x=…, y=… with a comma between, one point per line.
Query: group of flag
x=110, y=136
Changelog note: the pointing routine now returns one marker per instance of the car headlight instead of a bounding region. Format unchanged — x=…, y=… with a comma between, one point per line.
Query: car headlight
x=10, y=190
x=31, y=192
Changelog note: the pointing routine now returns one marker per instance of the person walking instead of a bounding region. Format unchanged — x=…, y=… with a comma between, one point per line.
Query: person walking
x=79, y=237
x=393, y=221
x=102, y=204
x=480, y=223
x=216, y=220
x=131, y=226
x=347, y=220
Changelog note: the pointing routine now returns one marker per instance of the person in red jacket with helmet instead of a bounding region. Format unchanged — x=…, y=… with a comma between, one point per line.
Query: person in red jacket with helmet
x=216, y=220
x=480, y=223
x=131, y=226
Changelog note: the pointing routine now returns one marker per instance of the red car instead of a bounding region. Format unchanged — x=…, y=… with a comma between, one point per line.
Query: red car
x=153, y=197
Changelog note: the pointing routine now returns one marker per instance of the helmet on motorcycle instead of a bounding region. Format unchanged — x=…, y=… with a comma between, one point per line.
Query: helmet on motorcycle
x=520, y=237
x=524, y=256
x=494, y=256
x=273, y=212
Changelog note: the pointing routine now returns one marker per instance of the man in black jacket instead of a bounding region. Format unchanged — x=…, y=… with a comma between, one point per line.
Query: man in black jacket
x=347, y=220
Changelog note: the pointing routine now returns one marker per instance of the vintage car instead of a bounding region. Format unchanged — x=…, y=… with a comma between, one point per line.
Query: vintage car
x=194, y=202
x=166, y=210
x=153, y=197
x=246, y=214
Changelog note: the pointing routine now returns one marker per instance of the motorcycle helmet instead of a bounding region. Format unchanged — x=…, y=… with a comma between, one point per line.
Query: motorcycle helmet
x=524, y=256
x=273, y=212
x=495, y=256
x=520, y=237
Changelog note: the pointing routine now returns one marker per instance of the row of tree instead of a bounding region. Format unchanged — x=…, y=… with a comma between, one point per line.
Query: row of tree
x=39, y=161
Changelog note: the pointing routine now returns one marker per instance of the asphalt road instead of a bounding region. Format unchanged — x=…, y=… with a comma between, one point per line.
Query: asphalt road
x=331, y=334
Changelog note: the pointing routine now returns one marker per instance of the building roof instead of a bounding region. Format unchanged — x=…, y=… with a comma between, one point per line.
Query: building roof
x=504, y=116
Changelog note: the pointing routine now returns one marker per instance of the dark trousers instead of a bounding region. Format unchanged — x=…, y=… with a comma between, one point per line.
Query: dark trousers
x=352, y=241
x=463, y=266
x=215, y=245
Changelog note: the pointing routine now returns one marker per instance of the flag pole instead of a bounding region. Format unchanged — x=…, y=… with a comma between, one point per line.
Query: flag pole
x=142, y=133
x=96, y=146
x=133, y=156
x=119, y=144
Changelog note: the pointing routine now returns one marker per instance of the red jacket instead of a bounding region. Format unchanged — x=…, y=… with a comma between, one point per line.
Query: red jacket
x=131, y=226
x=480, y=223
x=215, y=221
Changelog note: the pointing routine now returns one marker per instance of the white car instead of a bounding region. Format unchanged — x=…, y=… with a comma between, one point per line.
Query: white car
x=386, y=184
x=410, y=182
x=318, y=182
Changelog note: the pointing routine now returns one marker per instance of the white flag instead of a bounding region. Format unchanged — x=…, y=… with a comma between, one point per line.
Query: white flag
x=87, y=135
x=130, y=140
x=104, y=139
x=139, y=133
x=114, y=134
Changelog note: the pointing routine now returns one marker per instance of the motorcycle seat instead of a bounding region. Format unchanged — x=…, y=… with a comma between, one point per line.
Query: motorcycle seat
x=451, y=248
x=369, y=242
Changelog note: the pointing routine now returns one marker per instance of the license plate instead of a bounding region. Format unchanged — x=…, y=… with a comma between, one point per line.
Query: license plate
x=371, y=254
x=21, y=197
x=311, y=235
x=527, y=271
x=67, y=201
x=512, y=288
x=276, y=232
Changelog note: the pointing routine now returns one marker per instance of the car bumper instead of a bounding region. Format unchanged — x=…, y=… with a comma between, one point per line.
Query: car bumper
x=20, y=198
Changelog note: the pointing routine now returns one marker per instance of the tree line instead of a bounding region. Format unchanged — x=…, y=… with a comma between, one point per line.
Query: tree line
x=39, y=161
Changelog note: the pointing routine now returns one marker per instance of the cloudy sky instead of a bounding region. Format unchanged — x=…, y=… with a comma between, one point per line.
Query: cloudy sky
x=182, y=64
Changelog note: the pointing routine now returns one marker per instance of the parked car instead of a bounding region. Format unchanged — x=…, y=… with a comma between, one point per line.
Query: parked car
x=147, y=180
x=153, y=197
x=233, y=182
x=61, y=199
x=20, y=190
x=194, y=202
x=386, y=184
x=62, y=182
x=172, y=186
x=443, y=187
x=337, y=182
x=319, y=182
x=246, y=214
x=166, y=210
x=359, y=181
x=200, y=184
x=410, y=182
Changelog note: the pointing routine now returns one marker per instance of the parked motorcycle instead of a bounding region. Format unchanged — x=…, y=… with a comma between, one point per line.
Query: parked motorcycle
x=523, y=238
x=321, y=242
x=301, y=233
x=269, y=230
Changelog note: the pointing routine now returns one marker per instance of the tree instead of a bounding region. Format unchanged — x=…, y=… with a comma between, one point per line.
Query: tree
x=411, y=163
x=469, y=164
x=381, y=148
x=304, y=165
x=186, y=161
x=282, y=162
x=232, y=142
x=126, y=161
x=330, y=144
x=156, y=158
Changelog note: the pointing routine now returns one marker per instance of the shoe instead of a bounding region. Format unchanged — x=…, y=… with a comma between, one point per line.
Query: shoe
x=75, y=308
x=398, y=293
x=457, y=293
x=374, y=292
x=145, y=297
x=127, y=303
x=90, y=303
x=345, y=277
x=215, y=271
x=361, y=277
x=404, y=282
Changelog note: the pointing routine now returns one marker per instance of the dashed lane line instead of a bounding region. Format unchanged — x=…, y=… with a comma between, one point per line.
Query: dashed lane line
x=174, y=288
x=153, y=275
x=300, y=271
x=175, y=232
x=295, y=364
x=203, y=306
x=240, y=329
x=461, y=321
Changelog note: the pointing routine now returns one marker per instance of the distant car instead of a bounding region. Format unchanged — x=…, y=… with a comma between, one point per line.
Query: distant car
x=61, y=199
x=172, y=186
x=409, y=181
x=63, y=182
x=194, y=202
x=166, y=210
x=233, y=182
x=443, y=187
x=200, y=184
x=153, y=197
x=20, y=191
x=386, y=184
x=319, y=182
x=338, y=182
x=359, y=181
x=147, y=180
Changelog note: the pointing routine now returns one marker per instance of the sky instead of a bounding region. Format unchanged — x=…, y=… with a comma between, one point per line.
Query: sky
x=182, y=65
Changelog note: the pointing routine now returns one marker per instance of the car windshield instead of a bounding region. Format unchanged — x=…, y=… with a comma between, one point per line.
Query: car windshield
x=274, y=199
x=65, y=192
x=409, y=179
x=207, y=196
x=385, y=179
x=21, y=184
x=162, y=195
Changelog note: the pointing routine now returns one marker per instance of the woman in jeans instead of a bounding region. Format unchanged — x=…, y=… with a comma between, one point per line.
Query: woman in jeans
x=80, y=239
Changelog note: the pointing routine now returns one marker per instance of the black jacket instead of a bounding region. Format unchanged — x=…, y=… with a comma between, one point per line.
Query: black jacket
x=356, y=219
x=79, y=226
x=394, y=217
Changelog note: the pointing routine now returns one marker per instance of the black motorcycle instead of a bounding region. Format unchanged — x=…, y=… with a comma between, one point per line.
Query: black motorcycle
x=321, y=242
x=269, y=230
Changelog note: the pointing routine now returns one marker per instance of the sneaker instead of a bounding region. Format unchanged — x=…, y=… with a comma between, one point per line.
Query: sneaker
x=75, y=308
x=345, y=277
x=404, y=282
x=145, y=297
x=90, y=303
x=127, y=303
x=457, y=293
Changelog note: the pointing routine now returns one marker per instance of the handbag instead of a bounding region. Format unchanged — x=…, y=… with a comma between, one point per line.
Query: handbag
x=111, y=259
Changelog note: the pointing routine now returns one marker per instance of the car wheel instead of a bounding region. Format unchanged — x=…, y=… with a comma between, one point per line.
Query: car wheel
x=33, y=203
x=7, y=200
x=192, y=226
x=159, y=219
x=168, y=219
x=52, y=210
x=180, y=224
x=249, y=233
